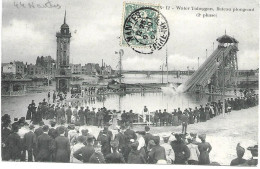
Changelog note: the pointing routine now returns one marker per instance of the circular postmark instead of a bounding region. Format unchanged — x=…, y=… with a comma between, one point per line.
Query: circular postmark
x=146, y=30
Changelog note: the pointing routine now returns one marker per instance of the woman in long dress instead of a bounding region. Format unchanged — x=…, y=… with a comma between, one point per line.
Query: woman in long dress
x=204, y=148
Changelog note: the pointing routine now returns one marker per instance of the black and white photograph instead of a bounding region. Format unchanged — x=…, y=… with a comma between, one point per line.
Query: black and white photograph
x=170, y=82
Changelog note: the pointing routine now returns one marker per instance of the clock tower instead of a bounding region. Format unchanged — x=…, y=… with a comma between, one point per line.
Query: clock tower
x=63, y=73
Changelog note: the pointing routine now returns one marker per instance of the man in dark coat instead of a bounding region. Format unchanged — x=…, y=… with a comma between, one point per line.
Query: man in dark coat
x=97, y=156
x=86, y=114
x=179, y=112
x=14, y=144
x=81, y=116
x=83, y=154
x=105, y=136
x=157, y=153
x=59, y=115
x=135, y=156
x=240, y=153
x=93, y=117
x=184, y=122
x=69, y=114
x=123, y=117
x=121, y=138
x=115, y=156
x=44, y=146
x=15, y=123
x=129, y=135
x=156, y=118
x=5, y=132
x=148, y=136
x=29, y=141
x=39, y=130
x=100, y=117
x=52, y=131
x=54, y=96
x=62, y=147
x=131, y=118
x=51, y=112
x=182, y=152
x=165, y=118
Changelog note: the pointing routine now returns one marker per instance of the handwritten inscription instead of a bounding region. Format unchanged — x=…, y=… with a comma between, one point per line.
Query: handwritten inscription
x=35, y=5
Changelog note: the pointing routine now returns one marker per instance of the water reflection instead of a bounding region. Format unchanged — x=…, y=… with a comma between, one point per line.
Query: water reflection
x=154, y=101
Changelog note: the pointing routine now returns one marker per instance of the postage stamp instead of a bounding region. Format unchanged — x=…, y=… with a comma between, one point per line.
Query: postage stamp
x=145, y=29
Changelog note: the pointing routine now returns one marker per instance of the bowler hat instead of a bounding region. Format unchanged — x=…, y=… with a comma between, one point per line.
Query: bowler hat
x=31, y=126
x=45, y=128
x=61, y=129
x=254, y=148
x=156, y=140
x=135, y=144
x=146, y=128
x=41, y=123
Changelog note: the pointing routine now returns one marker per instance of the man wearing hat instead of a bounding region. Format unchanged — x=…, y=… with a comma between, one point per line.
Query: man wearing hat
x=69, y=114
x=148, y=136
x=97, y=156
x=240, y=153
x=170, y=156
x=44, y=146
x=129, y=134
x=115, y=156
x=157, y=152
x=184, y=122
x=14, y=145
x=104, y=137
x=62, y=147
x=15, y=123
x=39, y=130
x=30, y=142
x=254, y=160
x=52, y=131
x=121, y=140
x=135, y=157
x=83, y=154
x=182, y=152
x=123, y=117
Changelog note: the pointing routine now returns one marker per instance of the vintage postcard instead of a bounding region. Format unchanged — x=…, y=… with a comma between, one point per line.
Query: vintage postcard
x=171, y=82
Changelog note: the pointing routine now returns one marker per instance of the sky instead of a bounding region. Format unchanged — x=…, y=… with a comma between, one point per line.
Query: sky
x=96, y=28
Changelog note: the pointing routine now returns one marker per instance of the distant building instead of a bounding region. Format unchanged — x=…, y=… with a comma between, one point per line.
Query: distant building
x=35, y=70
x=90, y=69
x=47, y=63
x=76, y=68
x=19, y=67
x=15, y=67
x=9, y=68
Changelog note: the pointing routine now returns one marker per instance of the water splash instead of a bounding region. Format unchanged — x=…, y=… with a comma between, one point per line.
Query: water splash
x=172, y=89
